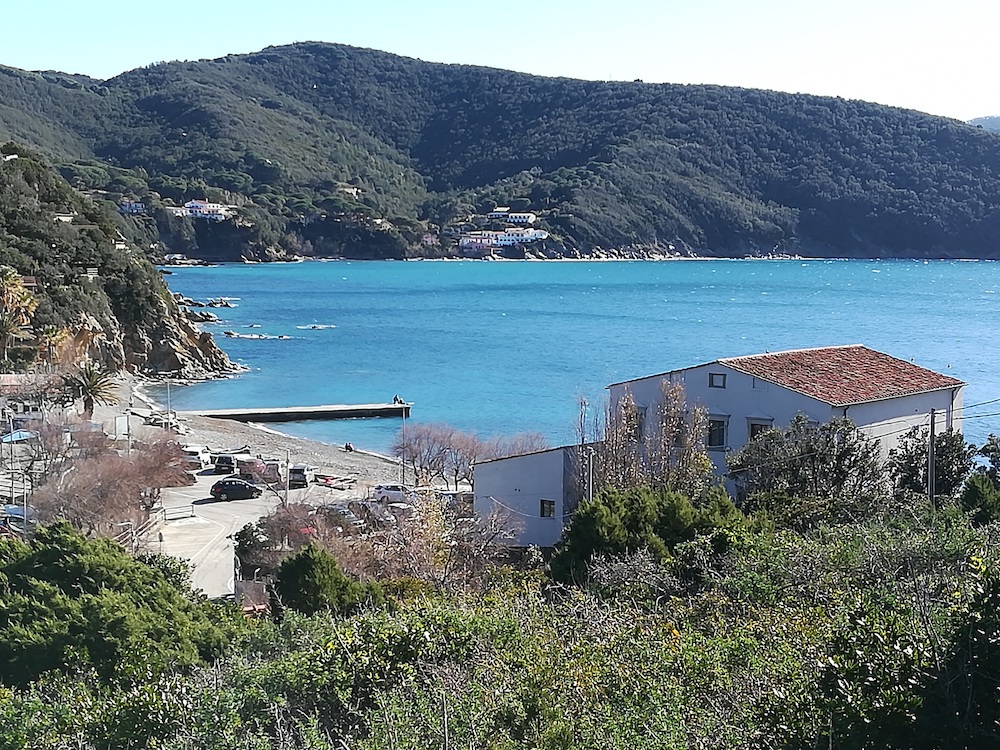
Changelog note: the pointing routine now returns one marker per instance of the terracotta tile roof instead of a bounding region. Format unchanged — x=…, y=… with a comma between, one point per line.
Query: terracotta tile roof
x=842, y=375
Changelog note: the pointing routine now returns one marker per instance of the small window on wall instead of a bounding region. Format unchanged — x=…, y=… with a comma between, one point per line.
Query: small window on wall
x=756, y=427
x=716, y=380
x=716, y=434
x=547, y=508
x=759, y=385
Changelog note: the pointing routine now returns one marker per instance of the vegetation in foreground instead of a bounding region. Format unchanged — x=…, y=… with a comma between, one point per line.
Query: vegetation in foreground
x=664, y=620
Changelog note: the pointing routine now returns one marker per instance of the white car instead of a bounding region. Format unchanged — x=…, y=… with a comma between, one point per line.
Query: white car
x=198, y=456
x=391, y=493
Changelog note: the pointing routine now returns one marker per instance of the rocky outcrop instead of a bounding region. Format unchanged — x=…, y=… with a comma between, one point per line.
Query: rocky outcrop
x=172, y=347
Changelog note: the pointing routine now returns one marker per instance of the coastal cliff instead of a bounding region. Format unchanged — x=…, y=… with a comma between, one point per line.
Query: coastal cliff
x=74, y=288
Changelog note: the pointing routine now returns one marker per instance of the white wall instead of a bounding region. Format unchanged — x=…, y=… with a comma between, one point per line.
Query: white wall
x=746, y=399
x=743, y=400
x=514, y=487
x=888, y=420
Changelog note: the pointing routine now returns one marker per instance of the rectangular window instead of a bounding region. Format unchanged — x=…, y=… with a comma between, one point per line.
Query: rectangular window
x=717, y=380
x=547, y=508
x=716, y=434
x=640, y=423
x=755, y=427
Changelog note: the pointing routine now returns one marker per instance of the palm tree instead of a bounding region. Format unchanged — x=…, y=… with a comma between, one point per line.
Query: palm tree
x=17, y=305
x=12, y=328
x=94, y=385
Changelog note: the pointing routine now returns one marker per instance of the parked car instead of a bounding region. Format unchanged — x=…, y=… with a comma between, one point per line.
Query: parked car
x=234, y=489
x=249, y=468
x=391, y=493
x=198, y=456
x=301, y=475
x=226, y=463
x=350, y=518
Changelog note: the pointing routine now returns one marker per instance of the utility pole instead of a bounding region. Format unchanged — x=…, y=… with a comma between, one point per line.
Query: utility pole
x=930, y=464
x=288, y=467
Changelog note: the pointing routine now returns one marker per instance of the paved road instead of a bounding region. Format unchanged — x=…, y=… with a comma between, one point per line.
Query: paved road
x=200, y=528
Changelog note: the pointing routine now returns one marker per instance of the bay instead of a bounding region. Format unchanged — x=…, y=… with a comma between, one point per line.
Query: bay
x=507, y=347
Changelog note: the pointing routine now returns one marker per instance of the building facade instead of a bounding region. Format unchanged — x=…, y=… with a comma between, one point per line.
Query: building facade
x=532, y=495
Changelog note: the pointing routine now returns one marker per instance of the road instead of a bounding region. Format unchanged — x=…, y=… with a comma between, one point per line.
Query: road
x=200, y=528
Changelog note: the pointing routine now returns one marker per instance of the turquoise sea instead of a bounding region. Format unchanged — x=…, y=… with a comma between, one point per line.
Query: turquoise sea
x=506, y=347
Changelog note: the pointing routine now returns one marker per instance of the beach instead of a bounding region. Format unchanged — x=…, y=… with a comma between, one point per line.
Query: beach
x=224, y=435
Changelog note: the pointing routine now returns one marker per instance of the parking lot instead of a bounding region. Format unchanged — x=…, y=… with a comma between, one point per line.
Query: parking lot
x=199, y=528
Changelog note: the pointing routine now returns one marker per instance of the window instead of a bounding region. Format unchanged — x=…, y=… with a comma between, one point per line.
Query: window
x=759, y=385
x=640, y=423
x=547, y=508
x=757, y=426
x=717, y=380
x=716, y=433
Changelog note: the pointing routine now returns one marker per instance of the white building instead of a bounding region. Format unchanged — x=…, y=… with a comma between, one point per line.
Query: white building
x=499, y=212
x=521, y=217
x=536, y=493
x=199, y=209
x=532, y=495
x=882, y=395
x=506, y=238
x=131, y=207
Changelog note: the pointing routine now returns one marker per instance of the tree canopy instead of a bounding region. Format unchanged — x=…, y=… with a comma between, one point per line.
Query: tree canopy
x=313, y=142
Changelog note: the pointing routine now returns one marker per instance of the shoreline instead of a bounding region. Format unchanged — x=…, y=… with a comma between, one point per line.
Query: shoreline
x=369, y=468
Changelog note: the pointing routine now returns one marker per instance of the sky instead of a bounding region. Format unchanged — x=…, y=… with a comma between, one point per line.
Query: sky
x=937, y=57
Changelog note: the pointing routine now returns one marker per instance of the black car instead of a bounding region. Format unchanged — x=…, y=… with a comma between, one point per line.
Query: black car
x=234, y=489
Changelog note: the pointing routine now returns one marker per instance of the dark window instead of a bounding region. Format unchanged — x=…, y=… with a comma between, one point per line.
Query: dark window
x=717, y=380
x=547, y=508
x=717, y=433
x=758, y=427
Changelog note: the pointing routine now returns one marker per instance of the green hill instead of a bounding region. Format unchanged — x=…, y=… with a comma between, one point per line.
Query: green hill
x=318, y=142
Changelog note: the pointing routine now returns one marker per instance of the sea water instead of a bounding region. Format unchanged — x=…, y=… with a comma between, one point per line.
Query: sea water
x=498, y=348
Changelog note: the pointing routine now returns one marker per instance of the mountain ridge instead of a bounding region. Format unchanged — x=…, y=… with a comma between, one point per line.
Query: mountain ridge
x=317, y=141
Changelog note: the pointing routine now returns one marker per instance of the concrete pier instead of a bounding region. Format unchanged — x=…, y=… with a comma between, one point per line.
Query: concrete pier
x=300, y=413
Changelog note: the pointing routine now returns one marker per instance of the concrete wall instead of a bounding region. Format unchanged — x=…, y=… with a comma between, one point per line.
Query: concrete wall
x=514, y=488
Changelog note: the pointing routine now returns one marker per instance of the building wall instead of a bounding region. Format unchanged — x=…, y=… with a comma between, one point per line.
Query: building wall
x=515, y=487
x=745, y=401
x=888, y=420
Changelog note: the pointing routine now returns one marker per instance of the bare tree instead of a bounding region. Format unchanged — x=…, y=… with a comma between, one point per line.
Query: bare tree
x=94, y=493
x=631, y=447
x=461, y=455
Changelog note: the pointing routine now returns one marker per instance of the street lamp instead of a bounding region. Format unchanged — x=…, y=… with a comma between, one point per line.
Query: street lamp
x=402, y=451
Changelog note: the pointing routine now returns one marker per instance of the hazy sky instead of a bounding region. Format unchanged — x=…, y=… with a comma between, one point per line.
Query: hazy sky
x=938, y=57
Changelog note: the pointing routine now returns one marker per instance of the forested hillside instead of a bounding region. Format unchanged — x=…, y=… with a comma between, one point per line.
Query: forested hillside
x=72, y=282
x=332, y=150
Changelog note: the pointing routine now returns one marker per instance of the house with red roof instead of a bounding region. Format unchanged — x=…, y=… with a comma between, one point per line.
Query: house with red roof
x=884, y=396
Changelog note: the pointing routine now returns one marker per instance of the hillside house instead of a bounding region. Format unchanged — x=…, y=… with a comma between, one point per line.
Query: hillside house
x=884, y=396
x=537, y=493
x=131, y=208
x=200, y=209
x=521, y=217
x=499, y=212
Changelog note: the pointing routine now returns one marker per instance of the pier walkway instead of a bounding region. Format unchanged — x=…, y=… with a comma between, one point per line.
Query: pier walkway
x=300, y=413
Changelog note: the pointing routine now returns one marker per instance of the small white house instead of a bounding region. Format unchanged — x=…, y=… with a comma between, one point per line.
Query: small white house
x=532, y=495
x=499, y=212
x=882, y=395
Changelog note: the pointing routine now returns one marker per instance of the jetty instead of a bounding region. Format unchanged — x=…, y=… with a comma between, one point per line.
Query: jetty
x=301, y=413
